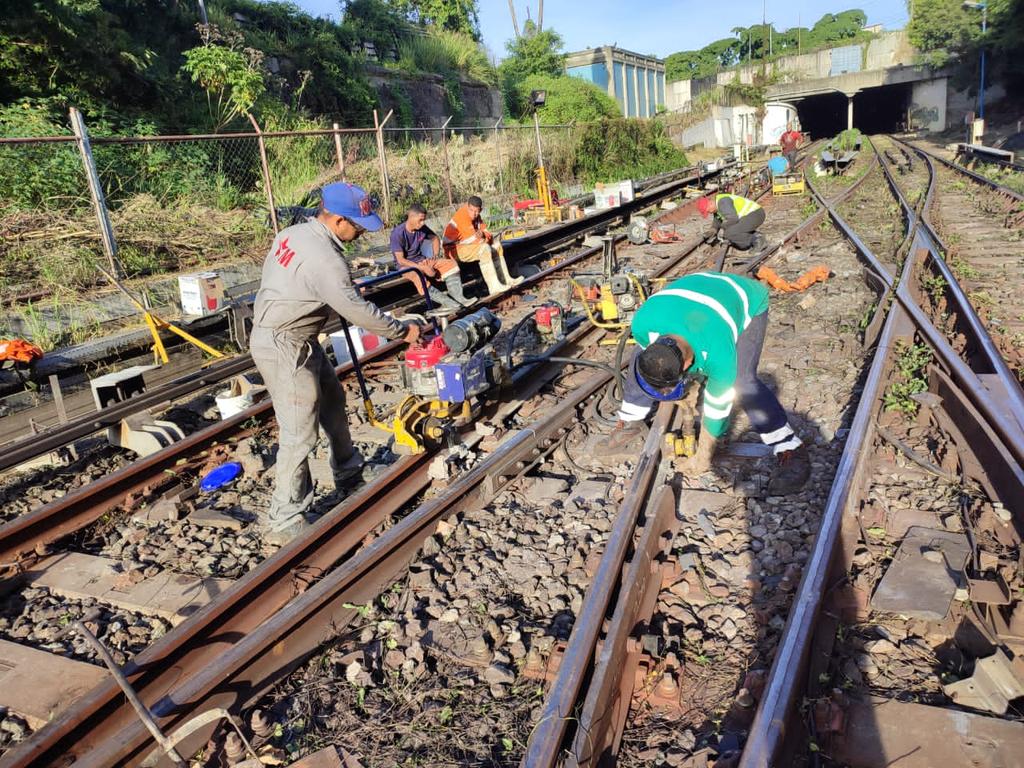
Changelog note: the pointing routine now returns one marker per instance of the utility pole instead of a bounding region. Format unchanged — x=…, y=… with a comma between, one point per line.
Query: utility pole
x=798, y=35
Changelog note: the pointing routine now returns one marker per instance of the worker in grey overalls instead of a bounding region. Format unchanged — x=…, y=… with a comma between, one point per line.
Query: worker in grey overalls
x=305, y=277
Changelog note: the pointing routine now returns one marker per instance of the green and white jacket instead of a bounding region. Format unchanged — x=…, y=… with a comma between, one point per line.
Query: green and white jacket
x=710, y=310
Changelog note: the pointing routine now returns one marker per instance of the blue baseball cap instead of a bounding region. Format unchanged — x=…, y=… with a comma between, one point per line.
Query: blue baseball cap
x=350, y=201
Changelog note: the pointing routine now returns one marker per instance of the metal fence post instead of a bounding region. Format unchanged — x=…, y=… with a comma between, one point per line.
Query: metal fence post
x=497, y=144
x=266, y=173
x=447, y=167
x=383, y=161
x=338, y=150
x=99, y=201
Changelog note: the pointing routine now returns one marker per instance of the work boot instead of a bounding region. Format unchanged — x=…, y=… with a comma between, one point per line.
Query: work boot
x=504, y=274
x=442, y=299
x=454, y=285
x=758, y=244
x=626, y=439
x=280, y=532
x=494, y=283
x=793, y=470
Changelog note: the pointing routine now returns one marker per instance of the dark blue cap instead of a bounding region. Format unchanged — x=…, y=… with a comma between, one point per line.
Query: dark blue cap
x=350, y=201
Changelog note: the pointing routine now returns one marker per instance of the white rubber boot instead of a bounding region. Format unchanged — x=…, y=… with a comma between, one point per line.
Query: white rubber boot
x=494, y=283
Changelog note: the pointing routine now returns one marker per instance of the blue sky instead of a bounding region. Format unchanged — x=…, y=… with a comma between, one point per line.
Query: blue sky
x=660, y=27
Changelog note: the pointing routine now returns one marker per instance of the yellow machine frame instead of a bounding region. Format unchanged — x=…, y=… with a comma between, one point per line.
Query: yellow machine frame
x=788, y=184
x=418, y=422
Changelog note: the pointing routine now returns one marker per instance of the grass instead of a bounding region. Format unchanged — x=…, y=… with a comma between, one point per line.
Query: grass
x=910, y=378
x=446, y=52
x=935, y=285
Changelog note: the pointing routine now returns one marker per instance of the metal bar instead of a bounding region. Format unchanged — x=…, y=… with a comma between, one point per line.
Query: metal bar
x=497, y=147
x=99, y=201
x=129, y=693
x=546, y=739
x=383, y=164
x=339, y=152
x=58, y=399
x=447, y=167
x=769, y=727
x=265, y=166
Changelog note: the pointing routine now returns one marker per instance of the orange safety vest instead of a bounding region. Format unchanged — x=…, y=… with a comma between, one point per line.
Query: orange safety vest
x=19, y=351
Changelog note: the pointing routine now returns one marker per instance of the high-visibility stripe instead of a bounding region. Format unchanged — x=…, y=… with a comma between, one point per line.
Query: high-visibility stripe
x=716, y=413
x=789, y=445
x=768, y=438
x=707, y=301
x=723, y=399
x=742, y=204
x=632, y=412
x=739, y=291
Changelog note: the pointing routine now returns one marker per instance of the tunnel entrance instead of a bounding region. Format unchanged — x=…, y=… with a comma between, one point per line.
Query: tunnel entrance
x=882, y=109
x=823, y=115
x=875, y=110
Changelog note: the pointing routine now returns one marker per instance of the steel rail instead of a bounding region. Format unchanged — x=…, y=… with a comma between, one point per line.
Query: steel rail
x=995, y=185
x=1008, y=429
x=590, y=686
x=565, y=691
x=519, y=249
x=929, y=239
x=239, y=649
x=768, y=731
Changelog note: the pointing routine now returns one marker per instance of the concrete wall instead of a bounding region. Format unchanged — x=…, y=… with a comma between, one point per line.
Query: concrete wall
x=928, y=104
x=426, y=95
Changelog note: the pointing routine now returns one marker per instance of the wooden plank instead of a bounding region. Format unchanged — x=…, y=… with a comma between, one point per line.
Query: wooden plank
x=173, y=596
x=38, y=685
x=884, y=732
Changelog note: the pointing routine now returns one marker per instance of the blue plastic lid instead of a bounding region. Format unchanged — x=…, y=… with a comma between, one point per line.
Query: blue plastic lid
x=220, y=476
x=778, y=165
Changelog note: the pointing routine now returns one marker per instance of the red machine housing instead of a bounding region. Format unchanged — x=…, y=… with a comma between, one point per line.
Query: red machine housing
x=549, y=320
x=420, y=360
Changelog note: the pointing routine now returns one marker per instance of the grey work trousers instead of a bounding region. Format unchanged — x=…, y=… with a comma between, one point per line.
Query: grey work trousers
x=741, y=232
x=306, y=392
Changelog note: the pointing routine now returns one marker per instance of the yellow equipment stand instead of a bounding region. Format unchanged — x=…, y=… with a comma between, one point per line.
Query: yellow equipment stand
x=156, y=324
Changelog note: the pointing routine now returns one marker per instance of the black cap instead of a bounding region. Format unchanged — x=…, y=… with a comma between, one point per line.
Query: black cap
x=661, y=364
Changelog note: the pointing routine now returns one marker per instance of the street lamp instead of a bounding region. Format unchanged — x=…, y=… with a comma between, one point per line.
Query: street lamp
x=984, y=27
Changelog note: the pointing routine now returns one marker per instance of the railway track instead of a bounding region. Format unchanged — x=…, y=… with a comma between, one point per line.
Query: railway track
x=931, y=471
x=404, y=473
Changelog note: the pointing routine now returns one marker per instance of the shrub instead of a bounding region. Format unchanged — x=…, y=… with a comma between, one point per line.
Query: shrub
x=568, y=99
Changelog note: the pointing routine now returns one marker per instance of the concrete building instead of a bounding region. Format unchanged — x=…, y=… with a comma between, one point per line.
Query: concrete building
x=635, y=81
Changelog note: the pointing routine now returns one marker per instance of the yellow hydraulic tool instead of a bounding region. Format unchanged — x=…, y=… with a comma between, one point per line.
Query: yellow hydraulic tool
x=156, y=324
x=419, y=423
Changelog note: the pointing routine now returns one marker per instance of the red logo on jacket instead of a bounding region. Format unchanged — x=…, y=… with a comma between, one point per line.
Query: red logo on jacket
x=284, y=254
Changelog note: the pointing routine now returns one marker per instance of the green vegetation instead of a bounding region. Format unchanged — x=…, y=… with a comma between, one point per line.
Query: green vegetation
x=751, y=43
x=568, y=99
x=847, y=140
x=910, y=376
x=535, y=52
x=446, y=52
x=944, y=31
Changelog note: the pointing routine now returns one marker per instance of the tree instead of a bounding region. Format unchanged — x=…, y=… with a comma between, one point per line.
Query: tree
x=568, y=99
x=232, y=78
x=453, y=15
x=535, y=52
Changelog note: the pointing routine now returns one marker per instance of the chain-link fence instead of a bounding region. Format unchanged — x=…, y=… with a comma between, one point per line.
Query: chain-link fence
x=179, y=203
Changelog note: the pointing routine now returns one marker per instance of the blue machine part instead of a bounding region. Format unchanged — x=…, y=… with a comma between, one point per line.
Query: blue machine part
x=461, y=378
x=778, y=165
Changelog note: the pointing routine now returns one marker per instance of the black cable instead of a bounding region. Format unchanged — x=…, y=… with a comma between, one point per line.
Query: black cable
x=565, y=361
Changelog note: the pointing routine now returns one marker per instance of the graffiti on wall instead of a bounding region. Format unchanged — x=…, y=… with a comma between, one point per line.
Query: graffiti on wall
x=924, y=117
